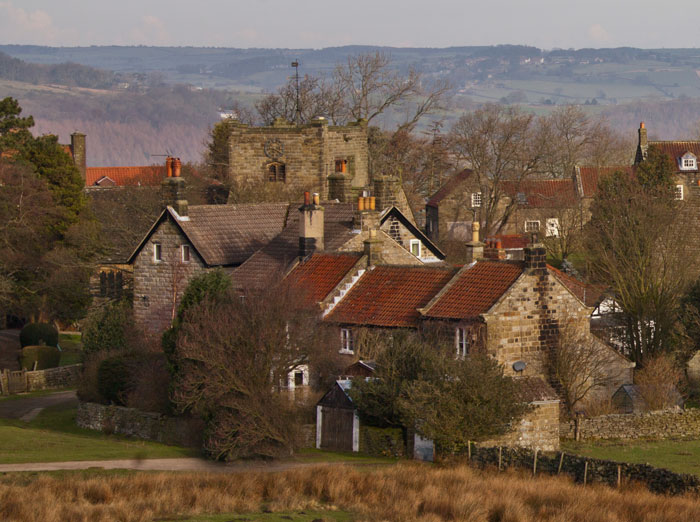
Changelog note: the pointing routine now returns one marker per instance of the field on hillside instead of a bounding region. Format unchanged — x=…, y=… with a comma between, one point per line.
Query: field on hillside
x=403, y=492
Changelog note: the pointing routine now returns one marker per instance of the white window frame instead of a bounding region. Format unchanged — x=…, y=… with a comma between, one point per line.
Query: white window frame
x=476, y=199
x=552, y=227
x=415, y=243
x=186, y=253
x=347, y=341
x=157, y=252
x=461, y=341
x=529, y=222
x=689, y=162
x=679, y=193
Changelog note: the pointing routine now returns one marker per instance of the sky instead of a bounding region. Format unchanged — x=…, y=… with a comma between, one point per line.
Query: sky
x=546, y=24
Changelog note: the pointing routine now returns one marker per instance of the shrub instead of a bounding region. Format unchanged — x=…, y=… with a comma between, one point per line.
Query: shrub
x=659, y=382
x=108, y=328
x=134, y=379
x=88, y=390
x=44, y=357
x=36, y=334
x=113, y=379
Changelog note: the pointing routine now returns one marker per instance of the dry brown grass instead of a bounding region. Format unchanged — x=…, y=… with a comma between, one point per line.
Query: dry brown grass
x=404, y=492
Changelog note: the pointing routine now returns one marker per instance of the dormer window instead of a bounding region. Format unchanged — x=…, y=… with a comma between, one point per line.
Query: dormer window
x=689, y=162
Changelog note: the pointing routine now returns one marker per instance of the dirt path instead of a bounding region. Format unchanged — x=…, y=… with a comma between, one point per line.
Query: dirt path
x=180, y=464
x=26, y=408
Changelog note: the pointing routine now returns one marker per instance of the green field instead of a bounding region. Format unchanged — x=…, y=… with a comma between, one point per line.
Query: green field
x=54, y=437
x=678, y=456
x=71, y=348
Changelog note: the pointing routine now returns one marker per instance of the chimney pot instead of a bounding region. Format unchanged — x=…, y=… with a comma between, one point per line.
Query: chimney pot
x=317, y=199
x=641, y=125
x=372, y=203
x=307, y=198
x=169, y=166
x=176, y=167
x=360, y=203
x=498, y=243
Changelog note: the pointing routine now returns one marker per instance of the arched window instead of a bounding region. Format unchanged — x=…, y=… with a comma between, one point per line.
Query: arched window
x=276, y=172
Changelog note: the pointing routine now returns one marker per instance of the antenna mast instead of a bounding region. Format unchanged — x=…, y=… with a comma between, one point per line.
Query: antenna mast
x=295, y=64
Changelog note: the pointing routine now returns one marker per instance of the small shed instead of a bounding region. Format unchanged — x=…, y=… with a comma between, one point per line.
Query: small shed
x=627, y=399
x=359, y=369
x=337, y=422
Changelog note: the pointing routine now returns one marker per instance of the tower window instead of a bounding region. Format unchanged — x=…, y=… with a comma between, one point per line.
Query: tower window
x=277, y=172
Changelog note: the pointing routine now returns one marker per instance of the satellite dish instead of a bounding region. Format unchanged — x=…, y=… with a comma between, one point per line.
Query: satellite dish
x=519, y=366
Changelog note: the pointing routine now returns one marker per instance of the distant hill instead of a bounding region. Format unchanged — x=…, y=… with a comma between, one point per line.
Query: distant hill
x=134, y=102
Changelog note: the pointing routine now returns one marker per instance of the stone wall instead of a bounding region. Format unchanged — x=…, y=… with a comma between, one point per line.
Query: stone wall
x=585, y=470
x=665, y=424
x=308, y=152
x=158, y=285
x=61, y=377
x=180, y=431
x=539, y=429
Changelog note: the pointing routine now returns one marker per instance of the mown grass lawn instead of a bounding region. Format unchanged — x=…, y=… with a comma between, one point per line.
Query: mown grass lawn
x=71, y=348
x=54, y=437
x=678, y=456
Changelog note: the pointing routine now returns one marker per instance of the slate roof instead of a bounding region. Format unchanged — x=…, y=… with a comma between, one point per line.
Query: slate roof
x=535, y=389
x=474, y=290
x=589, y=177
x=225, y=235
x=449, y=187
x=390, y=296
x=276, y=256
x=150, y=175
x=316, y=277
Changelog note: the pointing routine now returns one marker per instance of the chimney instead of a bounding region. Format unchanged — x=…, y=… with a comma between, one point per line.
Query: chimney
x=311, y=223
x=373, y=248
x=77, y=148
x=386, y=189
x=494, y=249
x=339, y=187
x=643, y=145
x=535, y=256
x=366, y=216
x=172, y=188
x=475, y=248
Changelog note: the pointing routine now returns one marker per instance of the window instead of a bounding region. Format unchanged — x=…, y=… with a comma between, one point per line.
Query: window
x=415, y=247
x=347, y=344
x=157, y=252
x=341, y=165
x=461, y=341
x=277, y=172
x=553, y=227
x=298, y=378
x=185, y=253
x=532, y=226
x=476, y=199
x=678, y=194
x=688, y=162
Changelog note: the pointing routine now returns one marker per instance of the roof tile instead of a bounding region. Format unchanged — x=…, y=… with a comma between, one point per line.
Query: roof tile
x=150, y=175
x=316, y=277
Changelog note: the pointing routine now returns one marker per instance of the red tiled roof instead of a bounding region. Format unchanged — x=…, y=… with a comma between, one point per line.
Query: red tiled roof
x=588, y=294
x=590, y=176
x=320, y=274
x=126, y=176
x=676, y=149
x=512, y=241
x=475, y=290
x=543, y=193
x=390, y=296
x=67, y=149
x=449, y=187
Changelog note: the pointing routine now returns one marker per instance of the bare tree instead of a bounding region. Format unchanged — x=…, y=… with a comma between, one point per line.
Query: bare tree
x=581, y=364
x=659, y=382
x=233, y=356
x=497, y=144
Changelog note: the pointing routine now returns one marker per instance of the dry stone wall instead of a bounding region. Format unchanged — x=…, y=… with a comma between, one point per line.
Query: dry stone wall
x=180, y=431
x=61, y=377
x=664, y=424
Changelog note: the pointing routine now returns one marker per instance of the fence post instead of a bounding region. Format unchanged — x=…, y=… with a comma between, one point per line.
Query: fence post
x=619, y=475
x=534, y=464
x=561, y=462
x=500, y=455
x=469, y=450
x=585, y=473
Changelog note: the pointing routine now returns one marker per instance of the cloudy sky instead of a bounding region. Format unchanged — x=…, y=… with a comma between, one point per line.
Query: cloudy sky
x=324, y=23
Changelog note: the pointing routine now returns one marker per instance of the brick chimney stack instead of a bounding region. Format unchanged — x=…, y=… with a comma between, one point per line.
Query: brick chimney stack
x=494, y=250
x=77, y=148
x=536, y=256
x=475, y=248
x=311, y=223
x=172, y=189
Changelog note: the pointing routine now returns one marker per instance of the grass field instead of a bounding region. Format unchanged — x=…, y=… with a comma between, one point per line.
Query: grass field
x=678, y=456
x=71, y=349
x=54, y=437
x=297, y=516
